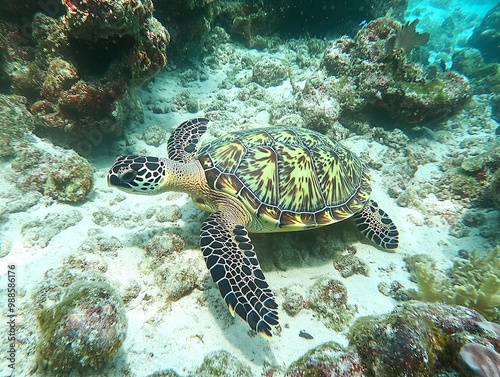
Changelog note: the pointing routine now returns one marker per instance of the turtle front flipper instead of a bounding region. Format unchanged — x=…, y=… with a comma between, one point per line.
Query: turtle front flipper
x=183, y=142
x=377, y=226
x=230, y=257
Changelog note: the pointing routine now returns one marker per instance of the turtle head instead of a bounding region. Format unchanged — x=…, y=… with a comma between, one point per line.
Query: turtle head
x=138, y=174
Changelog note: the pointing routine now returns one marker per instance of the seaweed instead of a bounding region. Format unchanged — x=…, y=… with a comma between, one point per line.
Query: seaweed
x=406, y=38
x=473, y=282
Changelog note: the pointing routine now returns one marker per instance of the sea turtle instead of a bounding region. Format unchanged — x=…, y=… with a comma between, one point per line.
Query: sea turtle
x=262, y=180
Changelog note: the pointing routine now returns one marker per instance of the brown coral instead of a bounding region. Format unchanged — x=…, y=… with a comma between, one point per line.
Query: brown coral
x=79, y=64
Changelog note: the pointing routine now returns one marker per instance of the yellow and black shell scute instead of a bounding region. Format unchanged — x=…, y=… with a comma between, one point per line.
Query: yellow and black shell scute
x=288, y=178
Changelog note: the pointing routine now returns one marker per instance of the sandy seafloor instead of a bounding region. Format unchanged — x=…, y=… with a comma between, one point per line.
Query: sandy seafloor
x=179, y=334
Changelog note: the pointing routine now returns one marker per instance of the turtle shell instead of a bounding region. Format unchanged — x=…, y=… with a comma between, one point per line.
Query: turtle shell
x=287, y=178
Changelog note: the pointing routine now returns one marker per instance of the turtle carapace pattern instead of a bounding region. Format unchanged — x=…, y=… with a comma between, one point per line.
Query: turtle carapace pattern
x=271, y=179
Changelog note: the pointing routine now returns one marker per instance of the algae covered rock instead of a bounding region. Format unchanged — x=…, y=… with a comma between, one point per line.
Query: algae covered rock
x=76, y=99
x=376, y=70
x=83, y=331
x=293, y=301
x=393, y=345
x=267, y=72
x=328, y=359
x=222, y=364
x=90, y=19
x=63, y=174
x=349, y=265
x=416, y=339
x=15, y=123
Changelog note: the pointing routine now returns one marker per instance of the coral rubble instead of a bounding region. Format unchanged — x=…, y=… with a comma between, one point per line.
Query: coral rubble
x=329, y=298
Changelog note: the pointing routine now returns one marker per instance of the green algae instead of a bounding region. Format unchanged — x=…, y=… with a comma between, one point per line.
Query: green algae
x=84, y=330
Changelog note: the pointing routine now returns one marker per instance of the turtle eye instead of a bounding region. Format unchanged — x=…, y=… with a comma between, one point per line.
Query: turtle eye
x=128, y=176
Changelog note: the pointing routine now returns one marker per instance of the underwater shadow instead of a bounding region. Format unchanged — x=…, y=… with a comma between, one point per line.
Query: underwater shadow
x=255, y=348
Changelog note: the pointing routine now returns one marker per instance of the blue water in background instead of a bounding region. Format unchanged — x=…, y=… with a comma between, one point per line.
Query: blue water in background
x=450, y=23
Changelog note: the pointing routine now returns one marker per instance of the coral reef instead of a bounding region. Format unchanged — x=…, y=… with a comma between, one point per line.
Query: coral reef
x=85, y=330
x=375, y=76
x=472, y=282
x=474, y=176
x=297, y=17
x=61, y=174
x=416, y=339
x=75, y=98
x=484, y=77
x=248, y=21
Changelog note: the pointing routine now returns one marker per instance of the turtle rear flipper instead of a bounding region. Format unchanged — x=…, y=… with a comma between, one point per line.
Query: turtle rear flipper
x=230, y=257
x=377, y=226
